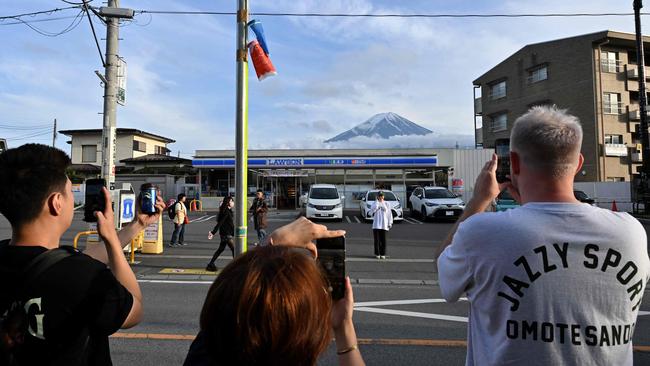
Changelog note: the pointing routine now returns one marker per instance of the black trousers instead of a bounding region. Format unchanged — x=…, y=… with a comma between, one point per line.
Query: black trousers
x=380, y=241
x=225, y=240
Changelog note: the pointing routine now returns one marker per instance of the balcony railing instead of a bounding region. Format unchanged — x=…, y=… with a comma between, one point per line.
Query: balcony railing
x=478, y=106
x=636, y=157
x=613, y=108
x=633, y=72
x=610, y=65
x=615, y=150
x=635, y=115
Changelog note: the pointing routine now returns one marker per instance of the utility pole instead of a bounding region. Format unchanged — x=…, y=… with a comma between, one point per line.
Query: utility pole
x=643, y=127
x=241, y=150
x=112, y=13
x=54, y=134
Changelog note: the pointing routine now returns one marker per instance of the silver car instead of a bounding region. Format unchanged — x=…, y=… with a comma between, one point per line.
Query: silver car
x=389, y=197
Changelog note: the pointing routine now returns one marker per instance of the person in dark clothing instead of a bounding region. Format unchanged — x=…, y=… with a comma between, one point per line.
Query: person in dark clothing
x=76, y=303
x=226, y=227
x=259, y=209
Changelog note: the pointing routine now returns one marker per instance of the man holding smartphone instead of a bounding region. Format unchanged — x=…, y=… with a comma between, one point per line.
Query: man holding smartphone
x=75, y=303
x=555, y=281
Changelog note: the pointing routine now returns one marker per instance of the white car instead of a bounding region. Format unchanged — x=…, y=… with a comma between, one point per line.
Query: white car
x=393, y=202
x=436, y=202
x=324, y=202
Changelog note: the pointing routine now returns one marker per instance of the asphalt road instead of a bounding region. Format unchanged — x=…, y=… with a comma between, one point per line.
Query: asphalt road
x=400, y=317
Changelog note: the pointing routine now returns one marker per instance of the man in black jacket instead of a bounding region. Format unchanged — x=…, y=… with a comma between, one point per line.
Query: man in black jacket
x=76, y=303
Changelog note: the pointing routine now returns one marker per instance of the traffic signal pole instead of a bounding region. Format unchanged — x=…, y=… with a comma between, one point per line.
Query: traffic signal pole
x=241, y=149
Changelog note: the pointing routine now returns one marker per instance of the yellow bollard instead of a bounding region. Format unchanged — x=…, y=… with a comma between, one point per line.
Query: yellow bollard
x=76, y=238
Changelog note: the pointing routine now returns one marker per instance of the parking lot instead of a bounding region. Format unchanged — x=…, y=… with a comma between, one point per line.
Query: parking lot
x=399, y=313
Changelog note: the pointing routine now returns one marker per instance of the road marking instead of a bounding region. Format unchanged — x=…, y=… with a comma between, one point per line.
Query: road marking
x=203, y=218
x=348, y=218
x=444, y=343
x=177, y=282
x=402, y=302
x=415, y=314
x=415, y=221
x=348, y=259
x=642, y=313
x=357, y=220
x=187, y=271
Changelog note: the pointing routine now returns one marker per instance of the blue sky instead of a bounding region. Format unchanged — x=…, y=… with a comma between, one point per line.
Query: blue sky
x=333, y=73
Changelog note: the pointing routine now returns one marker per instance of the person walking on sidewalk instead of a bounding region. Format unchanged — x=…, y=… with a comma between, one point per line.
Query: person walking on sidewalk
x=259, y=210
x=180, y=219
x=226, y=227
x=382, y=221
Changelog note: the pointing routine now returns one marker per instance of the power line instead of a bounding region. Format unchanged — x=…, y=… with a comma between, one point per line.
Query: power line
x=92, y=27
x=75, y=22
x=24, y=128
x=51, y=11
x=39, y=20
x=352, y=15
x=29, y=136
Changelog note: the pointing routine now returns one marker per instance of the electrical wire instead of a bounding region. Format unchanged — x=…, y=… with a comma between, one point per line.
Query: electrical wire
x=29, y=136
x=343, y=15
x=92, y=27
x=75, y=22
x=39, y=20
x=23, y=127
x=48, y=12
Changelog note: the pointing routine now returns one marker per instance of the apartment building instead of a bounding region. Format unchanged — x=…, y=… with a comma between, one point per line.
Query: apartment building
x=86, y=148
x=594, y=76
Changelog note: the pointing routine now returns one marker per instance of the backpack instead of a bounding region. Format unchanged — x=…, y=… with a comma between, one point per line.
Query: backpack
x=171, y=210
x=14, y=318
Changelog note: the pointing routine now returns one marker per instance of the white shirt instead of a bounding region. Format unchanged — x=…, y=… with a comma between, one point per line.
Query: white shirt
x=382, y=215
x=548, y=284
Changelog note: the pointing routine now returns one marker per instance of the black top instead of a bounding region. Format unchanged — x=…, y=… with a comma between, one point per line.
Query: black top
x=225, y=223
x=82, y=303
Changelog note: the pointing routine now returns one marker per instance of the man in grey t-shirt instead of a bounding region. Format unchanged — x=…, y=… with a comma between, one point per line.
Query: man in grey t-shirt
x=555, y=281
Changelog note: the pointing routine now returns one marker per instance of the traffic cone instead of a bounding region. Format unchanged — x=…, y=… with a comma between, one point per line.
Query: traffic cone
x=614, y=208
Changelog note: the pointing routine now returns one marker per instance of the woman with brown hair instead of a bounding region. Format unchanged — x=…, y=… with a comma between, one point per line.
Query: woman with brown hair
x=270, y=306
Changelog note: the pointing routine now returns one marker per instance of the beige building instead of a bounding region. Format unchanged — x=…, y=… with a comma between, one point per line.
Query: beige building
x=594, y=76
x=130, y=143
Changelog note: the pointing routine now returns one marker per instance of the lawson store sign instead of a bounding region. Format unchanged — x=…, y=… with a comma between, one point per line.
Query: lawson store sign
x=322, y=162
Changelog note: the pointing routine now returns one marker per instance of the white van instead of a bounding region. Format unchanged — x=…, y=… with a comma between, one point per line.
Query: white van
x=324, y=202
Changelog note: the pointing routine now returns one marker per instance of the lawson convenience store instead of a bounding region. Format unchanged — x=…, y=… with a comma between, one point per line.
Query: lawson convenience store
x=286, y=174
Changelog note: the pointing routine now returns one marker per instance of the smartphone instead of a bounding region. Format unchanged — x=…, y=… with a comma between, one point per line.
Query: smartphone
x=95, y=200
x=331, y=258
x=502, y=149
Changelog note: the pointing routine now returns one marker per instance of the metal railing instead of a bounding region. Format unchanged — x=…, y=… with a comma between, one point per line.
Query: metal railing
x=76, y=237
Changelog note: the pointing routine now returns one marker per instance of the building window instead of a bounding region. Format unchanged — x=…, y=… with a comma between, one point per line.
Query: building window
x=139, y=146
x=88, y=153
x=161, y=150
x=500, y=122
x=612, y=103
x=497, y=90
x=609, y=61
x=614, y=139
x=615, y=179
x=537, y=74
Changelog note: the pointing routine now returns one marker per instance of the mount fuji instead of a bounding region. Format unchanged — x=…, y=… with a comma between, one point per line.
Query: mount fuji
x=382, y=126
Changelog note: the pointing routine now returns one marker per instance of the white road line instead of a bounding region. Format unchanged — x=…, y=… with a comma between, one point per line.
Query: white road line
x=410, y=221
x=224, y=256
x=348, y=218
x=178, y=282
x=203, y=218
x=416, y=221
x=414, y=314
x=357, y=220
x=641, y=313
x=402, y=302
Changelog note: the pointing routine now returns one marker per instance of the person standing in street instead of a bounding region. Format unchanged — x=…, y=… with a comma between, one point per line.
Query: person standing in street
x=180, y=219
x=382, y=221
x=554, y=281
x=226, y=228
x=259, y=210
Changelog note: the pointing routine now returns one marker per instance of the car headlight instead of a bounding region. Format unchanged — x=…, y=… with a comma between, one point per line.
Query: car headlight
x=338, y=205
x=368, y=205
x=431, y=204
x=398, y=206
x=311, y=205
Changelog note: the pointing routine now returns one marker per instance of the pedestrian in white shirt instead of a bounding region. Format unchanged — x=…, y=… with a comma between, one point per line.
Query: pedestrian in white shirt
x=382, y=221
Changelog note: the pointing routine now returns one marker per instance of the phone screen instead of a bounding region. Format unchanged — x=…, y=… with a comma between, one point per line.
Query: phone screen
x=331, y=257
x=94, y=199
x=502, y=149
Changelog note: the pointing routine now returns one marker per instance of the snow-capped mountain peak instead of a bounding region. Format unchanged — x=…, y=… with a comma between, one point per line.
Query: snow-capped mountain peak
x=382, y=126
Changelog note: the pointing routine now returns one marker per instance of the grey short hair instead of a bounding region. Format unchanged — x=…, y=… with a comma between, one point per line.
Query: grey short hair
x=547, y=139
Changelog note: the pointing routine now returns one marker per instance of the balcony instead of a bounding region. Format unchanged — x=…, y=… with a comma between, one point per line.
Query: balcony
x=635, y=115
x=615, y=150
x=633, y=72
x=636, y=157
x=478, y=106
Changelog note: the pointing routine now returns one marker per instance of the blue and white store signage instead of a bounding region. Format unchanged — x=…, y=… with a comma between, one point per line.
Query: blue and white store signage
x=323, y=162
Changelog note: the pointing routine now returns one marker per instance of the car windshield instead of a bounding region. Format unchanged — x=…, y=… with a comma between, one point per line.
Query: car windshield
x=324, y=193
x=505, y=195
x=580, y=195
x=438, y=193
x=388, y=196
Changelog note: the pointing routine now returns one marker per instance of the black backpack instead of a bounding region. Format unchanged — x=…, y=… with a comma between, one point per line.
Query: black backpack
x=171, y=210
x=14, y=318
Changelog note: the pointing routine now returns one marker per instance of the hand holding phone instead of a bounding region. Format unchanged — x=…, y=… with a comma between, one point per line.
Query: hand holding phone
x=95, y=200
x=502, y=149
x=331, y=258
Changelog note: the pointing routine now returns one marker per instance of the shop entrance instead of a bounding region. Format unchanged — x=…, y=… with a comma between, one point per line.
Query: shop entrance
x=285, y=189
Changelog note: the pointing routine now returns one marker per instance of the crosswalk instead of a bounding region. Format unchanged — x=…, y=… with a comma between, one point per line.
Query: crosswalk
x=350, y=219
